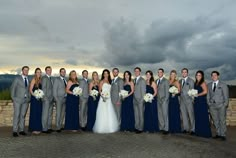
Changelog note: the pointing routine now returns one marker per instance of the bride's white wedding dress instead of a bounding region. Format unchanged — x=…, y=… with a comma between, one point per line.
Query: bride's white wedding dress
x=106, y=120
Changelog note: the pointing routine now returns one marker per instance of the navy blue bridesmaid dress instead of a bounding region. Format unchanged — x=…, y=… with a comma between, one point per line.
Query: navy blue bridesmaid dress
x=174, y=114
x=127, y=112
x=35, y=118
x=92, y=109
x=150, y=113
x=202, y=122
x=72, y=111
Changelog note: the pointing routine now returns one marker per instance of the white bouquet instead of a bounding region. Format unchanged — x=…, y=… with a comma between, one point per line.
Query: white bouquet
x=38, y=93
x=94, y=93
x=148, y=97
x=173, y=90
x=77, y=91
x=193, y=93
x=105, y=95
x=123, y=94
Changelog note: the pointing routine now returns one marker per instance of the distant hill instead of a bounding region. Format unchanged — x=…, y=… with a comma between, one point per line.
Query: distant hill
x=6, y=80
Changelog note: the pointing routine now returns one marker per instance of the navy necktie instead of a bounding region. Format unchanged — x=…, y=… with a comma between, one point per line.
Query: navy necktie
x=26, y=83
x=214, y=88
x=159, y=81
x=183, y=82
x=64, y=82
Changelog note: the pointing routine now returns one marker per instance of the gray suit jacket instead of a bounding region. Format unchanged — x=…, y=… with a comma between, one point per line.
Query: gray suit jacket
x=116, y=87
x=220, y=97
x=163, y=90
x=59, y=91
x=18, y=90
x=47, y=87
x=140, y=89
x=189, y=84
x=85, y=89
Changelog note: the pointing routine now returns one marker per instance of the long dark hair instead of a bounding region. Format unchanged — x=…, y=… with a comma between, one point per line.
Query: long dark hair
x=109, y=75
x=152, y=78
x=202, y=79
x=37, y=80
x=129, y=73
x=71, y=79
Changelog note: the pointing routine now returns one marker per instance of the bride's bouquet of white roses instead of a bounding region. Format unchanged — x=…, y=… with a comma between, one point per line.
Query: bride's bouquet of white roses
x=173, y=90
x=94, y=93
x=105, y=95
x=193, y=93
x=123, y=94
x=77, y=91
x=148, y=97
x=38, y=93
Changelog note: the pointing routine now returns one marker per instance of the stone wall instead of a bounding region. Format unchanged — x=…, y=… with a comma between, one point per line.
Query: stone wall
x=6, y=113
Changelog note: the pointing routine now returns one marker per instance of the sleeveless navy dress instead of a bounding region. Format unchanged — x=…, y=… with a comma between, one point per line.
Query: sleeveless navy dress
x=150, y=113
x=72, y=111
x=174, y=114
x=35, y=118
x=92, y=110
x=202, y=123
x=127, y=112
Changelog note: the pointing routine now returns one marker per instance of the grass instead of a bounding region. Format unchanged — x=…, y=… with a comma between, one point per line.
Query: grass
x=5, y=94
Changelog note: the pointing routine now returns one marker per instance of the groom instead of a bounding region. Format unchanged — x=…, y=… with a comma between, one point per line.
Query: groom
x=116, y=86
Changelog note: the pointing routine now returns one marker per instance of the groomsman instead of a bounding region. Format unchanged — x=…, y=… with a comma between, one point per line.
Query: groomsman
x=116, y=86
x=47, y=87
x=218, y=100
x=163, y=101
x=59, y=95
x=83, y=105
x=186, y=103
x=139, y=92
x=21, y=97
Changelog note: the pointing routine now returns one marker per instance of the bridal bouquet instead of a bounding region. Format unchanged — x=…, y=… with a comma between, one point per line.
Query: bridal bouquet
x=105, y=95
x=148, y=97
x=77, y=91
x=173, y=90
x=193, y=93
x=38, y=94
x=94, y=93
x=123, y=94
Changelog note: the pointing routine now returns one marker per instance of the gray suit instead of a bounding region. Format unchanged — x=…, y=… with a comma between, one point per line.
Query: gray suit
x=59, y=94
x=139, y=92
x=218, y=102
x=186, y=105
x=163, y=103
x=116, y=87
x=47, y=87
x=83, y=102
x=21, y=97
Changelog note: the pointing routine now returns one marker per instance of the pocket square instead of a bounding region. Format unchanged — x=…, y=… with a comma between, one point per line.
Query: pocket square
x=219, y=87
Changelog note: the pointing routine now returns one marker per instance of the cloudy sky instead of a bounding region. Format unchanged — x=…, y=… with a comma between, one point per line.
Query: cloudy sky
x=97, y=34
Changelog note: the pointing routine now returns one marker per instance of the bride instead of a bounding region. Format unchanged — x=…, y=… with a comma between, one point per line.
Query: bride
x=106, y=120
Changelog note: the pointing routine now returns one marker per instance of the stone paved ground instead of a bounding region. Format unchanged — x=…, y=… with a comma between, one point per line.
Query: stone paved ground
x=84, y=144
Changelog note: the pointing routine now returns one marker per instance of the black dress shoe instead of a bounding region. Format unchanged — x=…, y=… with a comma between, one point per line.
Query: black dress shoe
x=192, y=133
x=216, y=137
x=62, y=129
x=184, y=131
x=58, y=131
x=83, y=128
x=14, y=134
x=46, y=132
x=50, y=130
x=223, y=138
x=165, y=132
x=138, y=132
x=22, y=133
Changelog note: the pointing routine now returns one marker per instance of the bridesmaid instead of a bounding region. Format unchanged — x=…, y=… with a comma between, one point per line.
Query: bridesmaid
x=127, y=110
x=202, y=122
x=72, y=104
x=35, y=118
x=174, y=106
x=150, y=112
x=92, y=102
